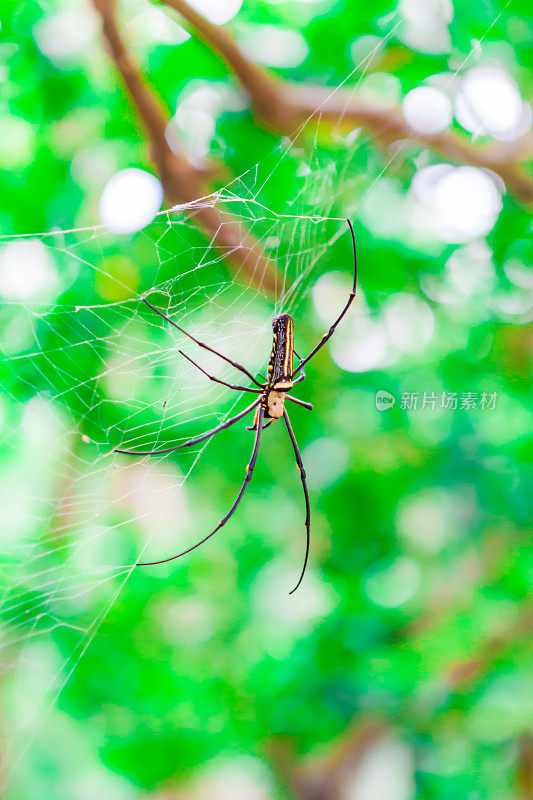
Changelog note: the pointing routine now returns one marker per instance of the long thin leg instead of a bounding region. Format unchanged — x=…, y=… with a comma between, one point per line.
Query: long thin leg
x=329, y=334
x=306, y=495
x=308, y=406
x=247, y=479
x=217, y=380
x=267, y=424
x=205, y=346
x=301, y=377
x=190, y=442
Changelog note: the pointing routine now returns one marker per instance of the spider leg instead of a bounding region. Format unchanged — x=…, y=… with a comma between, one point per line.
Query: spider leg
x=249, y=472
x=267, y=424
x=205, y=346
x=306, y=495
x=301, y=377
x=190, y=442
x=308, y=406
x=217, y=380
x=329, y=334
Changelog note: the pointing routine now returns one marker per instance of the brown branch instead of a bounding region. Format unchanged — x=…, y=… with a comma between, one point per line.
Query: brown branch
x=262, y=89
x=455, y=588
x=525, y=766
x=182, y=181
x=463, y=673
x=285, y=106
x=388, y=125
x=322, y=779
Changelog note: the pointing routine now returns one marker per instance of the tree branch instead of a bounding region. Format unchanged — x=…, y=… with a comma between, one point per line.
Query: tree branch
x=262, y=89
x=463, y=673
x=184, y=183
x=388, y=125
x=323, y=778
x=285, y=106
x=525, y=767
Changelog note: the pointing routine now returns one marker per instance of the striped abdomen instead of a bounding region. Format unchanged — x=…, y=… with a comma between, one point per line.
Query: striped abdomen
x=280, y=365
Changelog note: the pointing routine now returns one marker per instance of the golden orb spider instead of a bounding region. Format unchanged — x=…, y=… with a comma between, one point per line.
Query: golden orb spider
x=270, y=405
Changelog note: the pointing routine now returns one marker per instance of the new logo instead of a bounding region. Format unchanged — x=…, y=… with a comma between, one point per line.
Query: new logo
x=384, y=400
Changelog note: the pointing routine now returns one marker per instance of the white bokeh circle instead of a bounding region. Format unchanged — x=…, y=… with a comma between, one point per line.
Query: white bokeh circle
x=489, y=103
x=130, y=200
x=217, y=11
x=427, y=110
x=459, y=203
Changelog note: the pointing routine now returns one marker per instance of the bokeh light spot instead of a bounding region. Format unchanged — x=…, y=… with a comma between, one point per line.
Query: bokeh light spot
x=326, y=460
x=409, y=322
x=489, y=103
x=64, y=36
x=463, y=202
x=427, y=110
x=274, y=46
x=27, y=271
x=154, y=26
x=130, y=200
x=385, y=772
x=393, y=585
x=425, y=24
x=362, y=347
x=217, y=11
x=16, y=142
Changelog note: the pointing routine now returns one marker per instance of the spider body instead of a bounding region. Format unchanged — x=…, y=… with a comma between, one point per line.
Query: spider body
x=269, y=404
x=280, y=369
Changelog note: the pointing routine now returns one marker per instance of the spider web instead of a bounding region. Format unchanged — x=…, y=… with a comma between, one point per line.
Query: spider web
x=93, y=376
x=81, y=377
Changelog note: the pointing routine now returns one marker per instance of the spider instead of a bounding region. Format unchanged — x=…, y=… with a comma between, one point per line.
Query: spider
x=269, y=405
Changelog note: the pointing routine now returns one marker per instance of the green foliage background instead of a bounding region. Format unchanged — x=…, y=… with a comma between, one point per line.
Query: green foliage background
x=208, y=663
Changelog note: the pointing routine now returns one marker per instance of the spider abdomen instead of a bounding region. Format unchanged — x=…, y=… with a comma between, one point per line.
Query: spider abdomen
x=280, y=365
